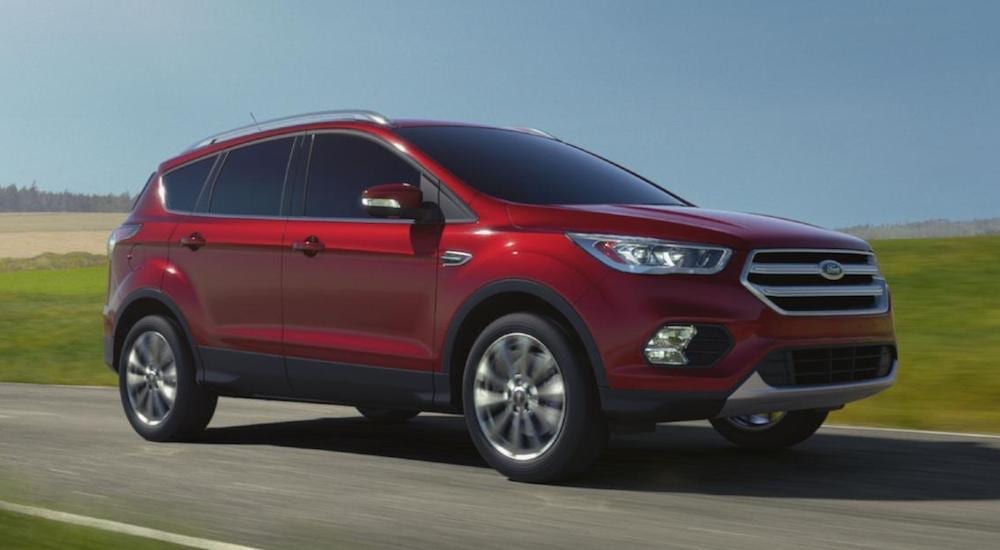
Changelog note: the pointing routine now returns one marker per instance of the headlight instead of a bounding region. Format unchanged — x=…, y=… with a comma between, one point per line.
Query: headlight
x=653, y=256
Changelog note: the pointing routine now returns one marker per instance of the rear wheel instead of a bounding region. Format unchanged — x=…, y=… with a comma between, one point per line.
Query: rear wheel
x=530, y=404
x=770, y=431
x=387, y=416
x=161, y=398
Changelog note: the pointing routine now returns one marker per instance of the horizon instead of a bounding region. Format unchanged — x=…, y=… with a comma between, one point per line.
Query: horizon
x=839, y=115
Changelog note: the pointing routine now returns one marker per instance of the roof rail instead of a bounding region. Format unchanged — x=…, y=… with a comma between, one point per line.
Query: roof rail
x=318, y=116
x=535, y=131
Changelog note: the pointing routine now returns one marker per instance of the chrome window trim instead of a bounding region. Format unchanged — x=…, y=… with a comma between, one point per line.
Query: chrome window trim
x=878, y=281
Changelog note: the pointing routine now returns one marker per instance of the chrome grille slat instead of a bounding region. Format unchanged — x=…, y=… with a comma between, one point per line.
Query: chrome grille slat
x=792, y=282
x=802, y=291
x=810, y=269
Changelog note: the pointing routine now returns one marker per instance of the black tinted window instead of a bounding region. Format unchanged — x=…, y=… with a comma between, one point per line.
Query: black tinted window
x=526, y=168
x=183, y=185
x=251, y=179
x=342, y=166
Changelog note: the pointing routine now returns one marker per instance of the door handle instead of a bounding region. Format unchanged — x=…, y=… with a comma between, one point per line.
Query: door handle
x=310, y=247
x=194, y=241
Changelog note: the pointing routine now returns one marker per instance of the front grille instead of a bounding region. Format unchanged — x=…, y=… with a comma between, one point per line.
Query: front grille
x=800, y=282
x=836, y=365
x=709, y=344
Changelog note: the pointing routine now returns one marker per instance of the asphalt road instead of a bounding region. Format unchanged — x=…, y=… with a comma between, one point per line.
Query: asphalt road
x=296, y=476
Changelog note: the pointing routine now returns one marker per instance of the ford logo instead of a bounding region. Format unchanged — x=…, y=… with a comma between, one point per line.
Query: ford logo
x=831, y=270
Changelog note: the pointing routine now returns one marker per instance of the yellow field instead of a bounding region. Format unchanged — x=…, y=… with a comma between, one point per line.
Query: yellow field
x=25, y=235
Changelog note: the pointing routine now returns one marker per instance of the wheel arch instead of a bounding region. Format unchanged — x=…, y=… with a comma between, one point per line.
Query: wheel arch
x=143, y=303
x=497, y=299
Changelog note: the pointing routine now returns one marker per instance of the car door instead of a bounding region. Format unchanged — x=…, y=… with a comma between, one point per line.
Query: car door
x=226, y=270
x=358, y=291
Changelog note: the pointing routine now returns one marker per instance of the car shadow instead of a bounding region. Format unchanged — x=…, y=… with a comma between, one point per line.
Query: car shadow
x=686, y=459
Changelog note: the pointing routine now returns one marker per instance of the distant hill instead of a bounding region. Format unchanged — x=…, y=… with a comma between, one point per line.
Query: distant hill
x=32, y=199
x=927, y=229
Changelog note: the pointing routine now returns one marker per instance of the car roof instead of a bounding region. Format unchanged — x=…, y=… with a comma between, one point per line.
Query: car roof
x=352, y=117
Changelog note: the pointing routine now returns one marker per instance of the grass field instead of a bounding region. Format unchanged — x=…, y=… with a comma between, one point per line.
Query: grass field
x=24, y=235
x=24, y=532
x=946, y=294
x=50, y=322
x=946, y=297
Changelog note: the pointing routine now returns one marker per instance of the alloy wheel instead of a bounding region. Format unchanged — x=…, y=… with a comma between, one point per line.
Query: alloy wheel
x=756, y=422
x=151, y=378
x=519, y=396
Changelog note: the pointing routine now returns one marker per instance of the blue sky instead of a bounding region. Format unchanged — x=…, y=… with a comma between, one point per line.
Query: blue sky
x=832, y=112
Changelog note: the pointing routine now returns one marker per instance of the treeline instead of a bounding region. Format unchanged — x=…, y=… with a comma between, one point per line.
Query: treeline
x=33, y=199
x=927, y=229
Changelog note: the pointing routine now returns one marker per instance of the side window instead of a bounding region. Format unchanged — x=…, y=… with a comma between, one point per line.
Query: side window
x=342, y=166
x=251, y=179
x=183, y=185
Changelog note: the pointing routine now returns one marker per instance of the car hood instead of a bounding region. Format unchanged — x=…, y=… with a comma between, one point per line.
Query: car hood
x=683, y=223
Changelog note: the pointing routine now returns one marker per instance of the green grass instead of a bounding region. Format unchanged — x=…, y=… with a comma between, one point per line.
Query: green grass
x=53, y=261
x=946, y=296
x=19, y=531
x=50, y=326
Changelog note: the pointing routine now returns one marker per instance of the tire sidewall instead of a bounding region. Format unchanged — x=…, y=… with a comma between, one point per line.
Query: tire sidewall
x=582, y=422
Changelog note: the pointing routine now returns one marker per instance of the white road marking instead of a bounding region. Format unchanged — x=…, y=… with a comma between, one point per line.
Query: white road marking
x=123, y=528
x=29, y=413
x=909, y=431
x=70, y=386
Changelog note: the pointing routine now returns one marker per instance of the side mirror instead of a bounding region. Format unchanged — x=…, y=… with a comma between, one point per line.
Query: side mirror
x=393, y=200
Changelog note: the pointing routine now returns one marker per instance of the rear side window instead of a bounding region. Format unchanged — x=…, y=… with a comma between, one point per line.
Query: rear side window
x=183, y=185
x=251, y=180
x=342, y=166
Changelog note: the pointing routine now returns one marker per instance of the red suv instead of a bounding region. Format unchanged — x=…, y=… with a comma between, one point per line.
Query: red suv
x=547, y=294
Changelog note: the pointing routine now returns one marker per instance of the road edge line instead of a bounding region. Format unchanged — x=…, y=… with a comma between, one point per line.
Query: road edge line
x=118, y=527
x=71, y=386
x=911, y=431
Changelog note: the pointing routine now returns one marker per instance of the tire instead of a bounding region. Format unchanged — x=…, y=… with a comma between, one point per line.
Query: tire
x=387, y=416
x=790, y=429
x=554, y=441
x=156, y=342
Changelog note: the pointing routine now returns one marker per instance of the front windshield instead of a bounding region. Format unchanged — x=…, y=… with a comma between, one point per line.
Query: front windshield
x=531, y=169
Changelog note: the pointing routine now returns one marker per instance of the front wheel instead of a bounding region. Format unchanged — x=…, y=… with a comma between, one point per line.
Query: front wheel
x=156, y=373
x=770, y=431
x=530, y=403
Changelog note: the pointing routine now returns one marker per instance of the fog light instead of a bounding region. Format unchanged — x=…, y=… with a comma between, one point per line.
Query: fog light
x=885, y=361
x=667, y=346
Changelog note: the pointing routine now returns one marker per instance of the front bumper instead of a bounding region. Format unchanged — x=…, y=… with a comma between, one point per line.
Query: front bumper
x=756, y=396
x=752, y=396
